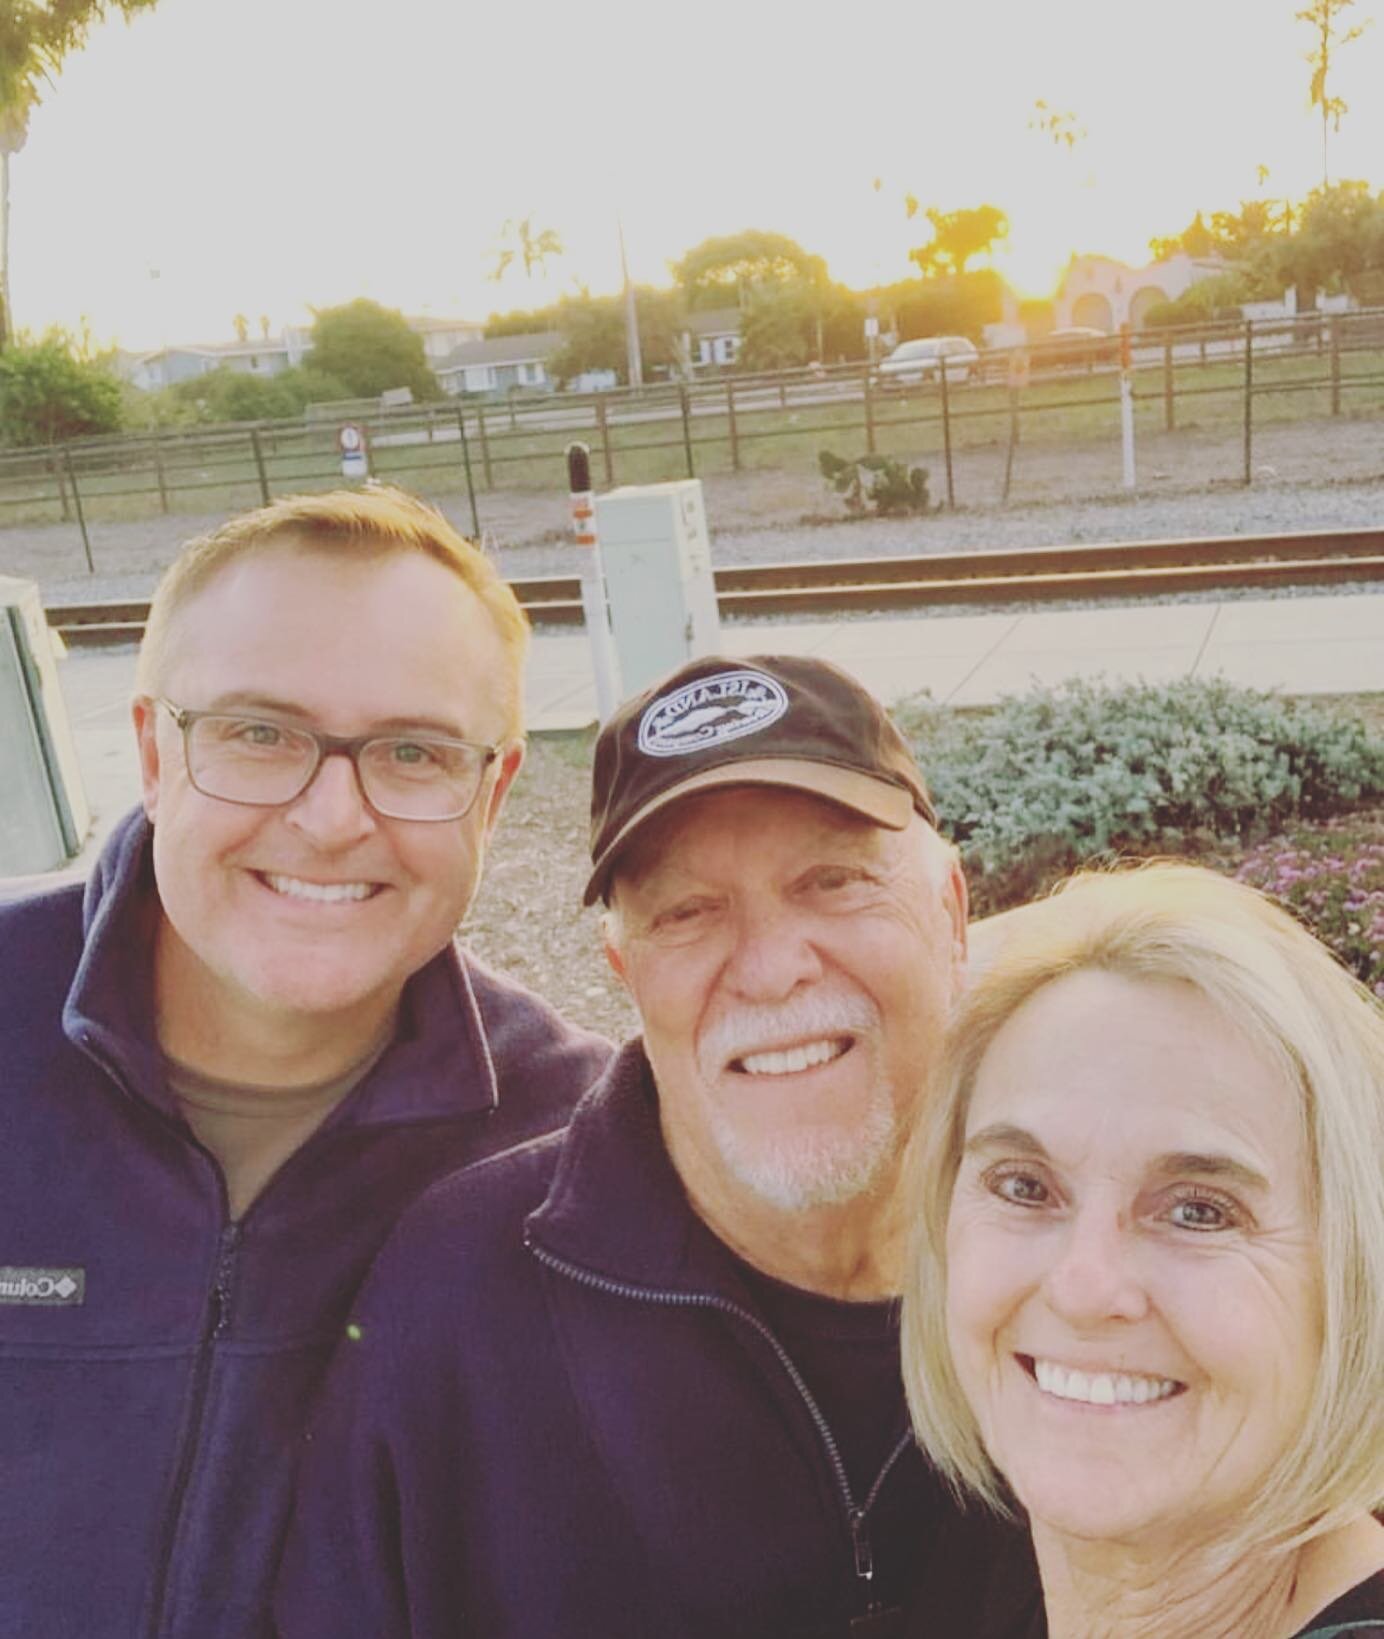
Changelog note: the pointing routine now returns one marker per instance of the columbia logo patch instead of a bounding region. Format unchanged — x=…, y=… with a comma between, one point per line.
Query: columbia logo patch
x=50, y=1286
x=725, y=706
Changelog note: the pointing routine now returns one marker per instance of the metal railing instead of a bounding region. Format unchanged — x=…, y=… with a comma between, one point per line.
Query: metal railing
x=1228, y=381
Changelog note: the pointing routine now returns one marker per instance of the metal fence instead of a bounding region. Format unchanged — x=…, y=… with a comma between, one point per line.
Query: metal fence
x=1214, y=404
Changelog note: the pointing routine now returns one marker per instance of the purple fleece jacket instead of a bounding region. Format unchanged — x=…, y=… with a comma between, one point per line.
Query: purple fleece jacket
x=560, y=1414
x=156, y=1359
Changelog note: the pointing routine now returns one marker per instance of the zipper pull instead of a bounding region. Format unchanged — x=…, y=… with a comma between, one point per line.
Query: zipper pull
x=860, y=1541
x=221, y=1287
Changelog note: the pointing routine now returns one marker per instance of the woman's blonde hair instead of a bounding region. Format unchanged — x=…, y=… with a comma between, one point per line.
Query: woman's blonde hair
x=351, y=524
x=1286, y=993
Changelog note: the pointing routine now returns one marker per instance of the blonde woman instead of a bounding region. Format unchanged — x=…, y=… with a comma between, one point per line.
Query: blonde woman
x=1145, y=1300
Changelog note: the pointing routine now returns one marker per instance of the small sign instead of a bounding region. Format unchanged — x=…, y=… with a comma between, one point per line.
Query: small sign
x=355, y=462
x=871, y=327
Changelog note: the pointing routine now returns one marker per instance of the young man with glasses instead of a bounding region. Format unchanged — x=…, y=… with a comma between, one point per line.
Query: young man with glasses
x=229, y=1067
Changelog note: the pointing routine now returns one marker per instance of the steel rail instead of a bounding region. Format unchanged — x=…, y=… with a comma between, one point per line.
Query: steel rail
x=931, y=580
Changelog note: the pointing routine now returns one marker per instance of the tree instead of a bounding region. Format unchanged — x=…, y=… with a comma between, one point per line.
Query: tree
x=34, y=40
x=959, y=306
x=1322, y=18
x=593, y=330
x=521, y=242
x=725, y=269
x=776, y=329
x=49, y=392
x=369, y=349
x=1339, y=240
x=957, y=236
x=1194, y=240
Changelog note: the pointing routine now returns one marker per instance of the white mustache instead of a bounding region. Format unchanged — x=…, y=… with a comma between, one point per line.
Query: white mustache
x=806, y=1018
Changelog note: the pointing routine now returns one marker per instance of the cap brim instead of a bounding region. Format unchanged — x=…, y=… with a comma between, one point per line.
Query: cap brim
x=881, y=801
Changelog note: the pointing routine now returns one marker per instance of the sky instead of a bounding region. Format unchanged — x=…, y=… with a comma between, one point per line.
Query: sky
x=265, y=157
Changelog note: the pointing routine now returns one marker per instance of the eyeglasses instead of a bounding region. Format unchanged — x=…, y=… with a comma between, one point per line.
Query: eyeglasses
x=264, y=764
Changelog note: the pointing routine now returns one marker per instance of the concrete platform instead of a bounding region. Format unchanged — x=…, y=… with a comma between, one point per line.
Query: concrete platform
x=1328, y=644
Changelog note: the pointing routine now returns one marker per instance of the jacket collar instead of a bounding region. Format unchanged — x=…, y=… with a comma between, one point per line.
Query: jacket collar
x=439, y=1064
x=616, y=1206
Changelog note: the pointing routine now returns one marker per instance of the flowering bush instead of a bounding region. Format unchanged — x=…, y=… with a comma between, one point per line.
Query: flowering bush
x=1060, y=776
x=1332, y=877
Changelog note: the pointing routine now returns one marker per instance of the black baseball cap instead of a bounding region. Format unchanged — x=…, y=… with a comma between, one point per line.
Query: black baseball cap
x=777, y=720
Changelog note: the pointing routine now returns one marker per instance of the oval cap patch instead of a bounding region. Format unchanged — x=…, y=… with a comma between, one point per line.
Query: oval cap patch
x=724, y=706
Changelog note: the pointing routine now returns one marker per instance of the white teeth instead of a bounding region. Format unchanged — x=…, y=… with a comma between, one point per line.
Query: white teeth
x=792, y=1059
x=1101, y=1388
x=325, y=893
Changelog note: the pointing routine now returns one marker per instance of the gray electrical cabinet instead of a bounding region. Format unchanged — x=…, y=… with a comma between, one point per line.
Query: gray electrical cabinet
x=44, y=816
x=656, y=557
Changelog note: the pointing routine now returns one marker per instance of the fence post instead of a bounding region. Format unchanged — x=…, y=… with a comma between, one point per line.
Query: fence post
x=1249, y=399
x=470, y=484
x=686, y=428
x=77, y=501
x=259, y=464
x=946, y=434
x=513, y=418
x=603, y=422
x=1335, y=364
x=485, y=444
x=159, y=473
x=869, y=413
x=55, y=468
x=734, y=430
x=1169, y=414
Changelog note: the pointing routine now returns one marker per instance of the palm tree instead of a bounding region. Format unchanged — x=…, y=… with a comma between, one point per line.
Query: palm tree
x=520, y=242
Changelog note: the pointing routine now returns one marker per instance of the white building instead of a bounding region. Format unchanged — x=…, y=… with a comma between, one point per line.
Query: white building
x=1099, y=292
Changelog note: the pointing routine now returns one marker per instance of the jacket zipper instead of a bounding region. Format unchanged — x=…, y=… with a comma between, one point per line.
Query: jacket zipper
x=214, y=1326
x=217, y=1320
x=857, y=1517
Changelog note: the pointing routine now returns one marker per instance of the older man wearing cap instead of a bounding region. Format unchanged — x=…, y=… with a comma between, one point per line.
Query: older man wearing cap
x=643, y=1380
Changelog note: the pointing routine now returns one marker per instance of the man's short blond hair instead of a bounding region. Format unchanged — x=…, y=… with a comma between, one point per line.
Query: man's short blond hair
x=1286, y=993
x=347, y=524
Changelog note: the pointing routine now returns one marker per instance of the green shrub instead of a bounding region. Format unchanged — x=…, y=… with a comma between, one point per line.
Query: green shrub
x=1332, y=877
x=876, y=481
x=1064, y=774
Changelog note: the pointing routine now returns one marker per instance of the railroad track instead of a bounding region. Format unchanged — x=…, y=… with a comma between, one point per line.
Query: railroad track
x=841, y=586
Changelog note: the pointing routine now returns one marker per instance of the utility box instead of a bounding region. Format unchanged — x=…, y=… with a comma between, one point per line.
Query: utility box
x=44, y=816
x=656, y=556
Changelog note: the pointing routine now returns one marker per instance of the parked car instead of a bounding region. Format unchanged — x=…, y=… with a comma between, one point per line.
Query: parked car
x=1079, y=346
x=915, y=361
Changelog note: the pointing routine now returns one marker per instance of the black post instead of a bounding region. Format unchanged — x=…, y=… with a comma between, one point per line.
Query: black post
x=259, y=465
x=1168, y=412
x=946, y=433
x=485, y=444
x=81, y=516
x=1249, y=400
x=603, y=422
x=869, y=413
x=470, y=485
x=1335, y=324
x=1013, y=439
x=159, y=474
x=55, y=467
x=687, y=428
x=734, y=430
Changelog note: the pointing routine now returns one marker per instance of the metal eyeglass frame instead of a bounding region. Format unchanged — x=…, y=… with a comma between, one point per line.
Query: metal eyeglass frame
x=328, y=745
